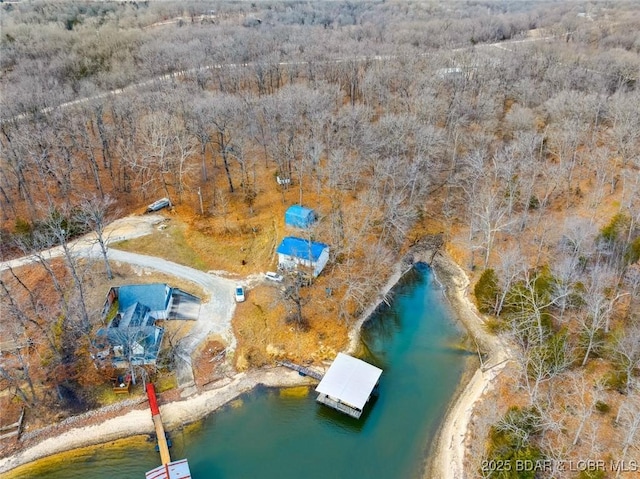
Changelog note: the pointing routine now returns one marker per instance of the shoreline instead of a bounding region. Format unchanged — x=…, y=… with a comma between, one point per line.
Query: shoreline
x=445, y=457
x=138, y=422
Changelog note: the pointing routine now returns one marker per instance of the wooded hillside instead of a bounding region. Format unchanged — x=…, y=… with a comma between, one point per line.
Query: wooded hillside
x=512, y=128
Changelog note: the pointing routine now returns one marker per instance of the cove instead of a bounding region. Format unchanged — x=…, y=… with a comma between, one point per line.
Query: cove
x=272, y=433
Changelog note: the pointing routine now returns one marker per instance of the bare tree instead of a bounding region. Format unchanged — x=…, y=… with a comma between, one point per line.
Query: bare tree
x=625, y=351
x=18, y=373
x=221, y=207
x=540, y=363
x=585, y=396
x=184, y=150
x=96, y=213
x=225, y=113
x=632, y=280
x=565, y=276
x=599, y=303
x=629, y=418
x=625, y=130
x=158, y=137
x=564, y=142
x=293, y=295
x=28, y=315
x=530, y=302
x=197, y=124
x=58, y=227
x=492, y=217
x=38, y=246
x=15, y=165
x=578, y=238
x=509, y=269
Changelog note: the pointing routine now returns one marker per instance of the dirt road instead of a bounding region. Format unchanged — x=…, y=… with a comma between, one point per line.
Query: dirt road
x=215, y=313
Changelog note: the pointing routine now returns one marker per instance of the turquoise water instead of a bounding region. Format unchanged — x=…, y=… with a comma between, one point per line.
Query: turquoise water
x=270, y=435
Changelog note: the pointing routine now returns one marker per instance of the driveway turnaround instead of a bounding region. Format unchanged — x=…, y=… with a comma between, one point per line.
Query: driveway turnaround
x=214, y=315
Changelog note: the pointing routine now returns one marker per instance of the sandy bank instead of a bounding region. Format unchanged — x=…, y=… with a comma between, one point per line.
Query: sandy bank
x=138, y=421
x=447, y=457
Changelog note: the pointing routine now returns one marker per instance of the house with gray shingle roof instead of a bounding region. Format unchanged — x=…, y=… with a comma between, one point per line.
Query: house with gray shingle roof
x=132, y=335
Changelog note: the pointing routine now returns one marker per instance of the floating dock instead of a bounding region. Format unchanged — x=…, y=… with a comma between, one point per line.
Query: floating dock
x=348, y=385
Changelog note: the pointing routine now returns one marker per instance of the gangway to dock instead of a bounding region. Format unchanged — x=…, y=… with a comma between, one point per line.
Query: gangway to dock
x=163, y=447
x=301, y=369
x=168, y=470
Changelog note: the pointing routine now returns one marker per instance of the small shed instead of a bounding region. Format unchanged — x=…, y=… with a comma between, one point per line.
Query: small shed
x=348, y=384
x=299, y=216
x=294, y=252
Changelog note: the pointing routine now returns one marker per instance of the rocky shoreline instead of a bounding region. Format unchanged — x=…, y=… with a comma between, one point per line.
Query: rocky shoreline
x=137, y=420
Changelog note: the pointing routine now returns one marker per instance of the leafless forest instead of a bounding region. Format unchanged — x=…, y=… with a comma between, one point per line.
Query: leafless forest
x=512, y=128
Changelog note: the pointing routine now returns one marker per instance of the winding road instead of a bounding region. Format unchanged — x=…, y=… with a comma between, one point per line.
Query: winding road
x=502, y=45
x=215, y=313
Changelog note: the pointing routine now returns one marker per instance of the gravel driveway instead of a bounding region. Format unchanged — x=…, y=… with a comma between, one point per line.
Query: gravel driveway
x=214, y=316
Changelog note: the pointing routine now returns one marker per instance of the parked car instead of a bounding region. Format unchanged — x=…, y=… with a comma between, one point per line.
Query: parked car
x=158, y=205
x=271, y=276
x=239, y=294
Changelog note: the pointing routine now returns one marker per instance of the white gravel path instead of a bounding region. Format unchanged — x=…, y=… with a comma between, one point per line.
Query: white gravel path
x=215, y=314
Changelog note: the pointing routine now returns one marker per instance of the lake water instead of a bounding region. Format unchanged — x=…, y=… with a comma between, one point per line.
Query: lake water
x=271, y=433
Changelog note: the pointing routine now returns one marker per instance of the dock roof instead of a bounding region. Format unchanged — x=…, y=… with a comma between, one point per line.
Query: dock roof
x=350, y=380
x=173, y=470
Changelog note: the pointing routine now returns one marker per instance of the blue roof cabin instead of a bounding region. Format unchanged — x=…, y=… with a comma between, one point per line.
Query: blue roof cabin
x=294, y=252
x=299, y=217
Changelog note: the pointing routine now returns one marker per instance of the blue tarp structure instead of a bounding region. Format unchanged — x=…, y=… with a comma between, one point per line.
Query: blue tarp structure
x=302, y=249
x=299, y=216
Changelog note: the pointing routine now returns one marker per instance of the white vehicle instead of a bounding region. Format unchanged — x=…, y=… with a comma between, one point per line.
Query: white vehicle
x=239, y=294
x=274, y=277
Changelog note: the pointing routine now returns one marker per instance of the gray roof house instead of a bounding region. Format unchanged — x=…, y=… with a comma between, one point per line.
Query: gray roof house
x=157, y=297
x=132, y=335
